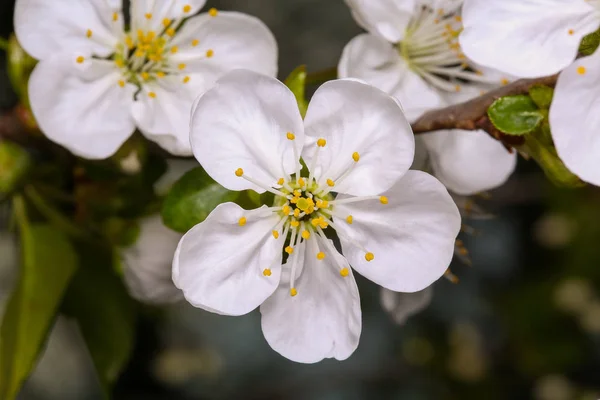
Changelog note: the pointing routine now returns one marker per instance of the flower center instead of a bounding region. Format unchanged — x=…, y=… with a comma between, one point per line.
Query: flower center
x=431, y=49
x=149, y=53
x=306, y=208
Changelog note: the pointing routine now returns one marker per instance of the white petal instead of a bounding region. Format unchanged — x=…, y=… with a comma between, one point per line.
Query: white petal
x=148, y=263
x=386, y=18
x=165, y=117
x=574, y=118
x=412, y=237
x=378, y=63
x=322, y=321
x=527, y=38
x=219, y=264
x=236, y=40
x=402, y=306
x=356, y=117
x=46, y=27
x=242, y=123
x=158, y=10
x=468, y=162
x=81, y=106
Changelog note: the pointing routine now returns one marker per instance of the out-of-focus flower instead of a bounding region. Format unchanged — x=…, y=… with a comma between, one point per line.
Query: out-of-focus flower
x=533, y=38
x=96, y=82
x=402, y=306
x=147, y=263
x=412, y=52
x=396, y=227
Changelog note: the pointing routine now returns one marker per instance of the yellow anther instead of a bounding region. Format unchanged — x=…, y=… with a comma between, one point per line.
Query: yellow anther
x=166, y=22
x=457, y=88
x=187, y=8
x=267, y=272
x=301, y=182
x=148, y=15
x=294, y=200
x=145, y=76
x=293, y=292
x=122, y=83
x=369, y=256
x=140, y=53
x=324, y=204
x=186, y=79
x=306, y=235
x=213, y=12
x=88, y=33
x=181, y=66
x=289, y=249
x=242, y=221
x=152, y=95
x=275, y=234
x=239, y=172
x=170, y=32
x=581, y=70
x=383, y=200
x=119, y=63
x=210, y=53
x=281, y=181
x=458, y=18
x=160, y=74
x=504, y=81
x=320, y=255
x=195, y=42
x=174, y=49
x=321, y=142
x=571, y=32
x=286, y=210
x=115, y=16
x=294, y=222
x=80, y=59
x=297, y=193
x=330, y=183
x=349, y=219
x=344, y=272
x=355, y=156
x=290, y=136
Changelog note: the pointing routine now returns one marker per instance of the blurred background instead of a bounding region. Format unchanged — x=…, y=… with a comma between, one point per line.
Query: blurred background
x=522, y=322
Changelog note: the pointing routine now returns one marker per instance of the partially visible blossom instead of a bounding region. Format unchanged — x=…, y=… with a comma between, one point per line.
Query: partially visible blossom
x=147, y=263
x=412, y=52
x=396, y=227
x=532, y=38
x=527, y=38
x=97, y=81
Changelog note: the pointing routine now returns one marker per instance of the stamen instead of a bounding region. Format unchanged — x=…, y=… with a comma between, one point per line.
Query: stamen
x=355, y=156
x=195, y=42
x=187, y=8
x=80, y=59
x=383, y=200
x=210, y=53
x=320, y=255
x=276, y=234
x=344, y=272
x=369, y=256
x=213, y=12
x=293, y=292
x=267, y=272
x=88, y=33
x=240, y=174
x=242, y=221
x=349, y=219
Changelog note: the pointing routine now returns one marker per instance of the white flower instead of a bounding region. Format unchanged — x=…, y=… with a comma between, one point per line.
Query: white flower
x=532, y=38
x=396, y=227
x=527, y=38
x=147, y=264
x=97, y=82
x=412, y=53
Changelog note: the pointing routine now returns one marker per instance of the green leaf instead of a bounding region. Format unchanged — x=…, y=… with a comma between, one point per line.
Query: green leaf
x=548, y=160
x=296, y=82
x=515, y=115
x=14, y=165
x=104, y=313
x=48, y=264
x=192, y=198
x=590, y=43
x=541, y=96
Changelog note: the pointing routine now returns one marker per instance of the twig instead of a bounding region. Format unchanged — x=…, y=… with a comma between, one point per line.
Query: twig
x=472, y=115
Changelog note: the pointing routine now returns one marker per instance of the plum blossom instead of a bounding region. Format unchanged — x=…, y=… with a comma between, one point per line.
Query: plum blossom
x=411, y=51
x=99, y=78
x=396, y=227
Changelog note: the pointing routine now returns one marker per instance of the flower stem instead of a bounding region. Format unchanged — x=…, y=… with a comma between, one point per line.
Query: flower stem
x=323, y=76
x=3, y=44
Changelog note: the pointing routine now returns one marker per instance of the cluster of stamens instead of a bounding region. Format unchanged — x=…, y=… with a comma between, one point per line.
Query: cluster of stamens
x=431, y=49
x=143, y=55
x=306, y=207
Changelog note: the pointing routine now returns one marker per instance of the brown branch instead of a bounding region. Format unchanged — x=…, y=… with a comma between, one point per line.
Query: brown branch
x=472, y=115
